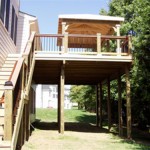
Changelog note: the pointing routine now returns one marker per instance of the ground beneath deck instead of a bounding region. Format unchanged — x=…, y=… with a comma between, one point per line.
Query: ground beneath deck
x=78, y=135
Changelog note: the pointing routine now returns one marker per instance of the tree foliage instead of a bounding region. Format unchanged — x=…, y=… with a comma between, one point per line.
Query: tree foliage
x=85, y=96
x=137, y=22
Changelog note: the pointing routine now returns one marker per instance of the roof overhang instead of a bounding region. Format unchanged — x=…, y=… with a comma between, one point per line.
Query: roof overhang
x=88, y=24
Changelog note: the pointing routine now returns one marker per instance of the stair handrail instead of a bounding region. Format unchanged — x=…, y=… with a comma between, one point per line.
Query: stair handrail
x=25, y=91
x=16, y=71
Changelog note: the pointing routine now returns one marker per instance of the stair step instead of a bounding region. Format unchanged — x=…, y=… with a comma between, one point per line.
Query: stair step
x=14, y=55
x=11, y=58
x=2, y=81
x=7, y=69
x=4, y=77
x=10, y=61
x=2, y=86
x=2, y=111
x=1, y=120
x=8, y=65
x=3, y=73
x=5, y=145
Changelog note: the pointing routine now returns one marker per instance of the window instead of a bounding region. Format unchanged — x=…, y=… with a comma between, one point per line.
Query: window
x=7, y=14
x=14, y=21
x=2, y=9
x=4, y=12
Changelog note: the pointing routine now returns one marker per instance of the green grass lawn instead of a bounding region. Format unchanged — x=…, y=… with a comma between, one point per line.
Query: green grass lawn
x=71, y=115
x=79, y=116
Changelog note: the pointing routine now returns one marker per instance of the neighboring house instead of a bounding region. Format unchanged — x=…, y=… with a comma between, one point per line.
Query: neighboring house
x=47, y=96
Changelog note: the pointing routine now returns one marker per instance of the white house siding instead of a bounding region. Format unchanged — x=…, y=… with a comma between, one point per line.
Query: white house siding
x=22, y=33
x=6, y=44
x=24, y=30
x=39, y=100
x=47, y=96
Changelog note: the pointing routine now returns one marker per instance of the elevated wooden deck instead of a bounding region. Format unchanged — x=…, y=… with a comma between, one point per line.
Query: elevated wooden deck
x=87, y=59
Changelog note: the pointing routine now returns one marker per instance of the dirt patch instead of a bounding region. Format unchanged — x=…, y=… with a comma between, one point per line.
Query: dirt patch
x=76, y=137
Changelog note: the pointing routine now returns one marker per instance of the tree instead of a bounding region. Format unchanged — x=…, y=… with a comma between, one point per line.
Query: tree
x=85, y=96
x=137, y=21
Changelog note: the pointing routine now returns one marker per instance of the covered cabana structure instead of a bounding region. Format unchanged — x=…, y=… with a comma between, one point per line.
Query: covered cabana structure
x=88, y=50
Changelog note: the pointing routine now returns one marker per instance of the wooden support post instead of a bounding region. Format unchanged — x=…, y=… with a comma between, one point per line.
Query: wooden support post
x=120, y=121
x=27, y=121
x=118, y=41
x=109, y=105
x=128, y=103
x=63, y=27
x=129, y=44
x=100, y=103
x=58, y=112
x=20, y=136
x=65, y=42
x=98, y=43
x=62, y=82
x=98, y=106
x=8, y=120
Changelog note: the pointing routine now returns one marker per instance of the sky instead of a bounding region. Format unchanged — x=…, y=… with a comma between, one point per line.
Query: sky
x=47, y=11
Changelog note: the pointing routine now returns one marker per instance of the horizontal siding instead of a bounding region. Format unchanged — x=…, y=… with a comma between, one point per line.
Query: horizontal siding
x=23, y=32
x=6, y=44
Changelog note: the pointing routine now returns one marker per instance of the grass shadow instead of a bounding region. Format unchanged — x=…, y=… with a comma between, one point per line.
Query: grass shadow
x=70, y=126
x=86, y=119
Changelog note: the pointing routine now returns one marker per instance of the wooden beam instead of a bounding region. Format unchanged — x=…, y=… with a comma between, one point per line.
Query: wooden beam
x=128, y=103
x=118, y=40
x=98, y=43
x=8, y=120
x=98, y=106
x=100, y=103
x=58, y=112
x=28, y=121
x=62, y=82
x=120, y=121
x=108, y=104
x=65, y=42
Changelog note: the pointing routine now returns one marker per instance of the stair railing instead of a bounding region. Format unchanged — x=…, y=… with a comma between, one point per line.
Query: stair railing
x=23, y=71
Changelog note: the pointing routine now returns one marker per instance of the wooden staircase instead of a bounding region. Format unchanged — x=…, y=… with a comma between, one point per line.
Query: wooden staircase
x=5, y=75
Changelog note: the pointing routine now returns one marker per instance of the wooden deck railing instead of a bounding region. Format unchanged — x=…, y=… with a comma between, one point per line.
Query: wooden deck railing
x=83, y=44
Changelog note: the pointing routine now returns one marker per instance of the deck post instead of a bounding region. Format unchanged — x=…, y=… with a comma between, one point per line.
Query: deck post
x=63, y=27
x=98, y=106
x=118, y=40
x=62, y=82
x=8, y=120
x=129, y=44
x=27, y=121
x=65, y=44
x=109, y=104
x=58, y=112
x=128, y=103
x=120, y=121
x=101, y=98
x=98, y=43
